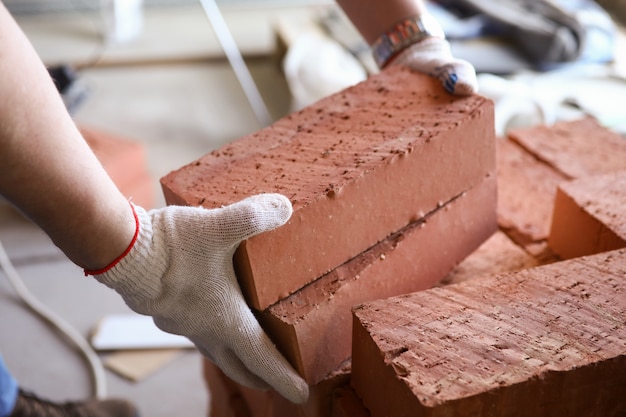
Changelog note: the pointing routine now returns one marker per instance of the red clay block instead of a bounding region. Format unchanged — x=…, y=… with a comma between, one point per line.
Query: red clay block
x=497, y=255
x=589, y=216
x=233, y=399
x=347, y=404
x=357, y=166
x=313, y=326
x=225, y=397
x=123, y=159
x=526, y=190
x=577, y=149
x=238, y=400
x=141, y=192
x=546, y=341
x=320, y=399
x=125, y=162
x=259, y=402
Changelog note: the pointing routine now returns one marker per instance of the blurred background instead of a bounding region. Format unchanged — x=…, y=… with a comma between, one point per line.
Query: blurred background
x=179, y=78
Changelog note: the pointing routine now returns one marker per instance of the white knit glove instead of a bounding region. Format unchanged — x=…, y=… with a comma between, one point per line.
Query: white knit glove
x=180, y=271
x=432, y=56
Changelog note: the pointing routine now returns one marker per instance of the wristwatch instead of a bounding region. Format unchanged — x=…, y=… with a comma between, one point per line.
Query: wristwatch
x=403, y=34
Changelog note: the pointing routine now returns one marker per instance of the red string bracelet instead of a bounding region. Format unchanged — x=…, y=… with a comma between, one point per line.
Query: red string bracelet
x=119, y=258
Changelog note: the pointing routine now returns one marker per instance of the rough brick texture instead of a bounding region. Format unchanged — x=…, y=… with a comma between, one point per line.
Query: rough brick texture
x=141, y=192
x=320, y=396
x=546, y=341
x=125, y=162
x=577, y=149
x=357, y=166
x=231, y=399
x=526, y=190
x=544, y=157
x=496, y=255
x=589, y=216
x=313, y=326
x=226, y=399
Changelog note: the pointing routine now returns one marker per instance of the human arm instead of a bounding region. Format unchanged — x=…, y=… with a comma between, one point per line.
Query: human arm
x=174, y=263
x=430, y=55
x=46, y=168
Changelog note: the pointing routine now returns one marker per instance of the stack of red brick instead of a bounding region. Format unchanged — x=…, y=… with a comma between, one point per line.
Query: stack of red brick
x=392, y=186
x=545, y=340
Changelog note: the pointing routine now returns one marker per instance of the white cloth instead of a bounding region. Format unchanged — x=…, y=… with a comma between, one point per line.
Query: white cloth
x=432, y=56
x=180, y=271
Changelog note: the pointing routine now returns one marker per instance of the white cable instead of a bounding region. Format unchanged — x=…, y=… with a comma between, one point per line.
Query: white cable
x=98, y=374
x=229, y=46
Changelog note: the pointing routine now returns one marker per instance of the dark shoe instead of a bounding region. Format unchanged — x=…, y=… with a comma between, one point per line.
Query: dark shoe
x=29, y=405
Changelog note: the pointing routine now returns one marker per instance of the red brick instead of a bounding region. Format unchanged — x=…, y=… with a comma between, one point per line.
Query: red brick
x=497, y=255
x=125, y=162
x=321, y=395
x=123, y=159
x=577, y=149
x=313, y=326
x=225, y=397
x=569, y=149
x=526, y=190
x=347, y=404
x=232, y=399
x=236, y=400
x=546, y=341
x=259, y=402
x=141, y=192
x=589, y=216
x=357, y=166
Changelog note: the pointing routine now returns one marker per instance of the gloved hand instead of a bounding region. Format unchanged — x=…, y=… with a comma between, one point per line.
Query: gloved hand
x=432, y=56
x=180, y=271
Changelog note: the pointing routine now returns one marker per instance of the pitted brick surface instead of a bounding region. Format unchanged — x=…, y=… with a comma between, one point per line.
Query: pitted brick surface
x=497, y=255
x=347, y=404
x=577, y=149
x=226, y=399
x=546, y=341
x=357, y=166
x=229, y=398
x=589, y=216
x=526, y=190
x=313, y=326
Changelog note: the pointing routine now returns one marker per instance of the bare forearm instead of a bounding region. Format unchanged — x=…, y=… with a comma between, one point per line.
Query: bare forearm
x=374, y=17
x=46, y=168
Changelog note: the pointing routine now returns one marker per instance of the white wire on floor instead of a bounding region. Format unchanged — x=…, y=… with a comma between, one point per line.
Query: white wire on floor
x=97, y=370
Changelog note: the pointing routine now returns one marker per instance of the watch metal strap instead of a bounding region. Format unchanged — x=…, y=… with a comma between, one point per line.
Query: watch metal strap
x=403, y=34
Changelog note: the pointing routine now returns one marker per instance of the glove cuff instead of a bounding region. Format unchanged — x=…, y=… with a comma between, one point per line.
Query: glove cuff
x=138, y=276
x=123, y=255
